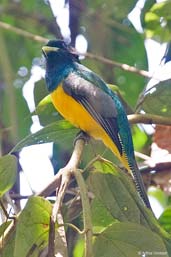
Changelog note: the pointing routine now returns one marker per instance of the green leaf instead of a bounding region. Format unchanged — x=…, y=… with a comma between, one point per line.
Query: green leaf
x=46, y=111
x=158, y=21
x=79, y=248
x=61, y=132
x=128, y=239
x=115, y=191
x=165, y=220
x=3, y=227
x=157, y=99
x=101, y=216
x=168, y=245
x=147, y=6
x=33, y=227
x=139, y=138
x=8, y=171
x=117, y=194
x=8, y=248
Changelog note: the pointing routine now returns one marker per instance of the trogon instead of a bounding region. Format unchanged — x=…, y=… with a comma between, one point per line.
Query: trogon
x=85, y=100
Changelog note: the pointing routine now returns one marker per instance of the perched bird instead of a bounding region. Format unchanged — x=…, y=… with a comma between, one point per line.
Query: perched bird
x=85, y=100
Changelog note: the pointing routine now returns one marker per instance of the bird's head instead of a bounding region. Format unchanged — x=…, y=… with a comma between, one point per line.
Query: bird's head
x=60, y=61
x=59, y=50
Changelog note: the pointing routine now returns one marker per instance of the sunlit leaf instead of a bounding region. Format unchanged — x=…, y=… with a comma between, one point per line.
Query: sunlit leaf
x=33, y=227
x=158, y=20
x=147, y=6
x=79, y=248
x=8, y=170
x=46, y=111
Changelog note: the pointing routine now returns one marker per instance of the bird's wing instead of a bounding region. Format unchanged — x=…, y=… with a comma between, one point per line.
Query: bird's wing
x=122, y=121
x=97, y=102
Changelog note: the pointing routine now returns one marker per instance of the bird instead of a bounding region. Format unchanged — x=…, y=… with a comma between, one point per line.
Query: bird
x=84, y=99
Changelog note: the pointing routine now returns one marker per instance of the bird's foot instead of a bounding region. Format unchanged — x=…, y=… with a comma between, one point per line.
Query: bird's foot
x=82, y=135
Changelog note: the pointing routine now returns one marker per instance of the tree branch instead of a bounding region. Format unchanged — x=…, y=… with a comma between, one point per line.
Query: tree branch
x=123, y=66
x=34, y=37
x=149, y=119
x=64, y=172
x=158, y=167
x=23, y=33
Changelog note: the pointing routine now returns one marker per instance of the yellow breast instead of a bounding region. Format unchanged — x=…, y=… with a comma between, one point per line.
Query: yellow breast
x=74, y=112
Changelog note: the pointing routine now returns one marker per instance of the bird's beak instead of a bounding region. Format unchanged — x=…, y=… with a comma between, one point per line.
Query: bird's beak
x=47, y=49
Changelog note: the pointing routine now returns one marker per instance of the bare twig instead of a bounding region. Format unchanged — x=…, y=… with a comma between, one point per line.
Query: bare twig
x=123, y=66
x=72, y=164
x=142, y=156
x=18, y=196
x=40, y=39
x=158, y=167
x=23, y=33
x=5, y=237
x=6, y=214
x=149, y=119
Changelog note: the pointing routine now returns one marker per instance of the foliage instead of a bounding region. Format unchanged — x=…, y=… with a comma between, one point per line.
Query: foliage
x=8, y=171
x=121, y=225
x=158, y=20
x=159, y=96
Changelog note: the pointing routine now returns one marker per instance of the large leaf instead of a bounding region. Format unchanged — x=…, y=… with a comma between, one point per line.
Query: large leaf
x=157, y=99
x=128, y=239
x=115, y=192
x=61, y=132
x=101, y=216
x=119, y=217
x=33, y=227
x=8, y=170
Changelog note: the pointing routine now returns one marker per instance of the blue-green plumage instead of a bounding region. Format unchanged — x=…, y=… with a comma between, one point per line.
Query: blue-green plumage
x=91, y=92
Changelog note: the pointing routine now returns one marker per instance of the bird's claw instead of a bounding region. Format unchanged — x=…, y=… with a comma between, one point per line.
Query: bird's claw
x=82, y=135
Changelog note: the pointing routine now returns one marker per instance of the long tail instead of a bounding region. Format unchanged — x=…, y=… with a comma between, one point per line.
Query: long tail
x=139, y=184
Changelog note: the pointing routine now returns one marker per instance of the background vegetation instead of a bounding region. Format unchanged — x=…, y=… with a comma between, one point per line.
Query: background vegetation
x=104, y=204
